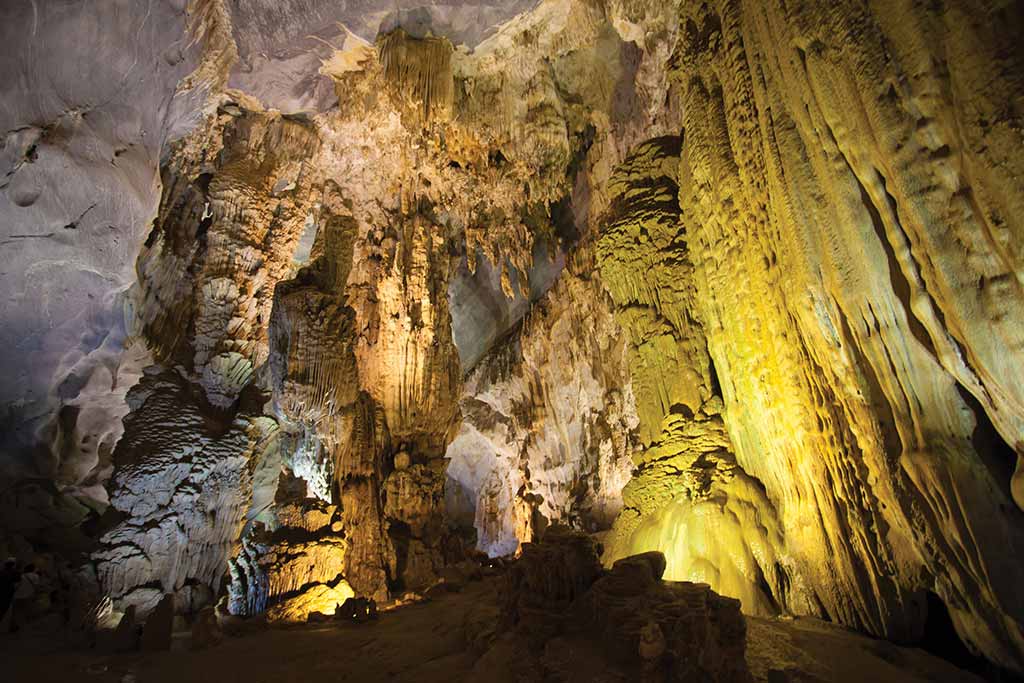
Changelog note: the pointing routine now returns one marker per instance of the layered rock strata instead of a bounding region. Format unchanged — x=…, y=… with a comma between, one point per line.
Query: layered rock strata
x=293, y=566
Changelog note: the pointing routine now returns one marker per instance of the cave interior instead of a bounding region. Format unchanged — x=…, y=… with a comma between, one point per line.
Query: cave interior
x=512, y=340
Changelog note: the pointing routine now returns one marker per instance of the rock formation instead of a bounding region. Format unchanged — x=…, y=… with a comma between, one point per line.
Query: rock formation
x=295, y=567
x=157, y=631
x=824, y=178
x=670, y=631
x=184, y=468
x=301, y=296
x=79, y=186
x=688, y=497
x=547, y=423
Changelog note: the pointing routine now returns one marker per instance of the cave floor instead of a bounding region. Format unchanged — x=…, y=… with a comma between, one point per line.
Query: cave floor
x=432, y=641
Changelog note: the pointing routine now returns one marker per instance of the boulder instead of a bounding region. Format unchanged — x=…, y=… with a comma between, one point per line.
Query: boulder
x=356, y=609
x=314, y=598
x=684, y=630
x=547, y=579
x=675, y=631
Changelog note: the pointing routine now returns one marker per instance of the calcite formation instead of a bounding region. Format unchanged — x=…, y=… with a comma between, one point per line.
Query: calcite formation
x=846, y=248
x=182, y=487
x=302, y=295
x=547, y=424
x=237, y=196
x=183, y=471
x=362, y=346
x=293, y=563
x=688, y=497
x=335, y=372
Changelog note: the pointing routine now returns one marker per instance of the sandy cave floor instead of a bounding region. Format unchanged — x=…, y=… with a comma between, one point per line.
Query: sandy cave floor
x=428, y=642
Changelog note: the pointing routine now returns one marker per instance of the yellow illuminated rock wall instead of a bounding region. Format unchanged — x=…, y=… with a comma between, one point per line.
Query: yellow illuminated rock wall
x=849, y=192
x=688, y=498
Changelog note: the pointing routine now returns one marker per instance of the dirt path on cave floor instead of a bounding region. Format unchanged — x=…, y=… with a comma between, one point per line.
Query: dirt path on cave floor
x=428, y=642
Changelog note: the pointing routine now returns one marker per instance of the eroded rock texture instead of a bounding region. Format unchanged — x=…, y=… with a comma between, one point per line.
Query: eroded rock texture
x=547, y=424
x=849, y=233
x=663, y=630
x=184, y=469
x=82, y=126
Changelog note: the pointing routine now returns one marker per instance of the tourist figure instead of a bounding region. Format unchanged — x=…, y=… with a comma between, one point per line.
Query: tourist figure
x=24, y=597
x=9, y=577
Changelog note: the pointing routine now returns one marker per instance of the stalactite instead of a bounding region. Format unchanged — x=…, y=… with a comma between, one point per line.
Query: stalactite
x=419, y=70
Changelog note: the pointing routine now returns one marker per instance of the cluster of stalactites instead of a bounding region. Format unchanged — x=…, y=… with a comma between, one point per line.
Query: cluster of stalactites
x=419, y=71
